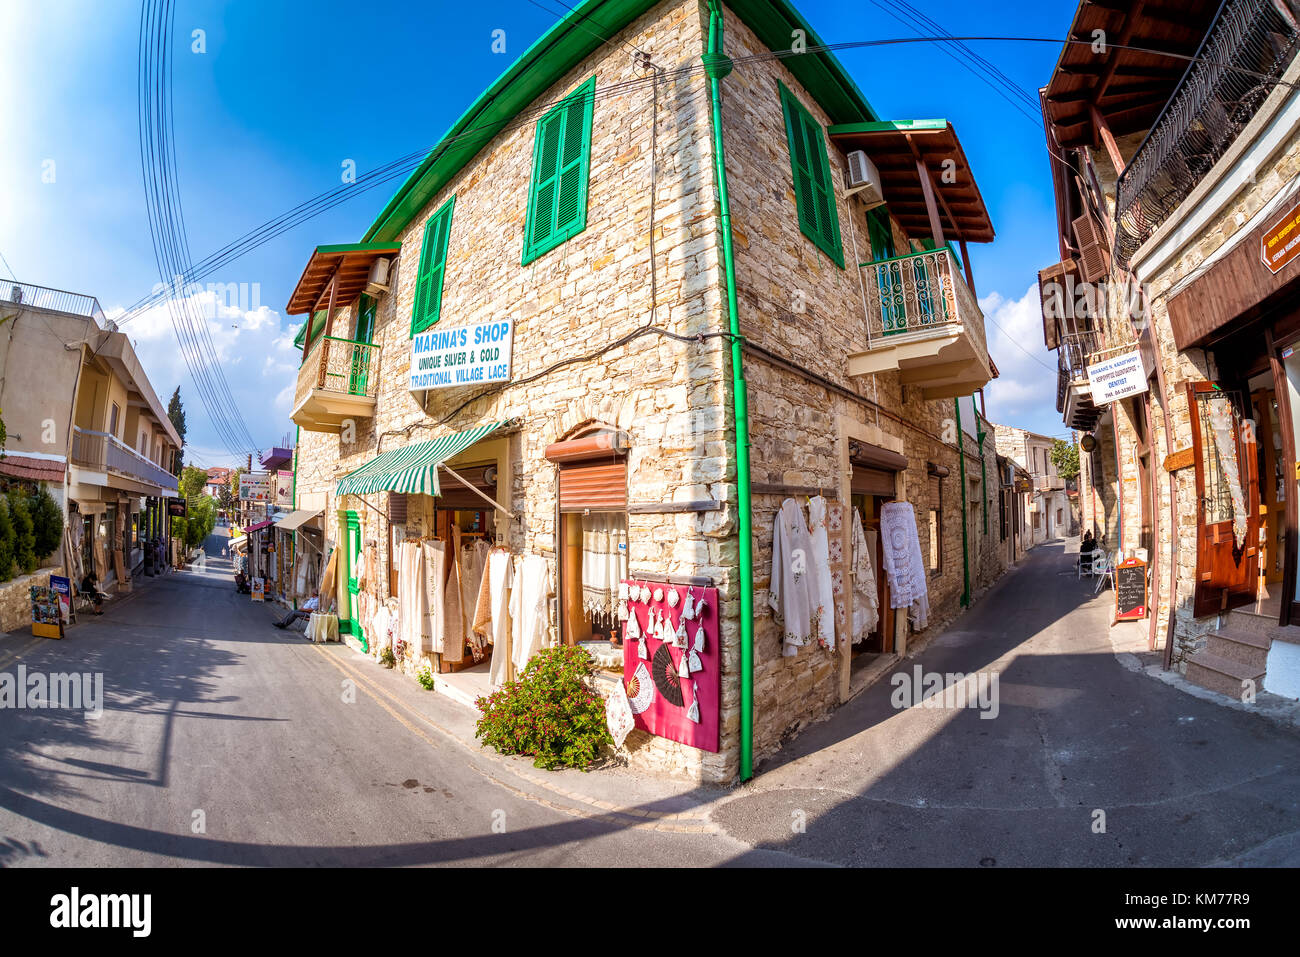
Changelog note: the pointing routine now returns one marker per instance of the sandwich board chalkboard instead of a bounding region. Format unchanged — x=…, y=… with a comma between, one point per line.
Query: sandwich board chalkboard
x=1130, y=590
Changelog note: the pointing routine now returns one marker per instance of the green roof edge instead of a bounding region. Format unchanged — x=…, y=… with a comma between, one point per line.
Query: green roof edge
x=563, y=47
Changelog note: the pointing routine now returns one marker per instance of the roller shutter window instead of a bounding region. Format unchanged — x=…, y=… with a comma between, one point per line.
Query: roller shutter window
x=557, y=198
x=598, y=486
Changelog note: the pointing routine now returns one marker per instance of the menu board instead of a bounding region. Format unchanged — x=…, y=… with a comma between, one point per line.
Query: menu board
x=47, y=613
x=1130, y=590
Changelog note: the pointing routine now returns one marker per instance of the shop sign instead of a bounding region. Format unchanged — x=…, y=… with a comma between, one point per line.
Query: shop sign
x=1281, y=241
x=258, y=588
x=256, y=486
x=1117, y=377
x=178, y=508
x=468, y=355
x=284, y=489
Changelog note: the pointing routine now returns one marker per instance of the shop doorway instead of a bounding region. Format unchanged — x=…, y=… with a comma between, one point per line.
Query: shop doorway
x=352, y=554
x=1270, y=463
x=871, y=490
x=1227, y=493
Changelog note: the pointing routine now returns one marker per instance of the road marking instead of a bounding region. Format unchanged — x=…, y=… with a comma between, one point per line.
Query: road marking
x=9, y=657
x=636, y=818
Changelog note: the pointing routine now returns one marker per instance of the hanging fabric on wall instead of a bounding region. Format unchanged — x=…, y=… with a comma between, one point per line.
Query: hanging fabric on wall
x=327, y=581
x=604, y=565
x=908, y=587
x=435, y=588
x=499, y=580
x=473, y=564
x=789, y=593
x=823, y=588
x=452, y=618
x=835, y=542
x=529, y=609
x=866, y=599
x=413, y=605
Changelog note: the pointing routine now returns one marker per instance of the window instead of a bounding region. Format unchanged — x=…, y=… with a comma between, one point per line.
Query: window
x=813, y=191
x=557, y=199
x=881, y=233
x=936, y=525
x=112, y=420
x=366, y=317
x=433, y=267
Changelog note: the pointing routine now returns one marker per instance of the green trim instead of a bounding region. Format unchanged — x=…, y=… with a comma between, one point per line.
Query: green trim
x=427, y=308
x=389, y=246
x=965, y=539
x=740, y=405
x=317, y=323
x=883, y=126
x=557, y=196
x=810, y=168
x=563, y=47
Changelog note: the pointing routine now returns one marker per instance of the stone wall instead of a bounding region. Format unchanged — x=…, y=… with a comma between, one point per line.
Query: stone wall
x=16, y=600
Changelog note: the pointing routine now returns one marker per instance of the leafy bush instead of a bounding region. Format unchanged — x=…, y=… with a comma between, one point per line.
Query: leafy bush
x=425, y=677
x=551, y=712
x=48, y=521
x=6, y=541
x=24, y=532
x=386, y=657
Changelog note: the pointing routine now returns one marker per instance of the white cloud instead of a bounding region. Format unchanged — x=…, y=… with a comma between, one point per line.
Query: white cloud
x=248, y=347
x=1024, y=394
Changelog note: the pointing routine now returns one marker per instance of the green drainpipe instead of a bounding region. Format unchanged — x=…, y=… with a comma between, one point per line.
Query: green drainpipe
x=718, y=65
x=965, y=544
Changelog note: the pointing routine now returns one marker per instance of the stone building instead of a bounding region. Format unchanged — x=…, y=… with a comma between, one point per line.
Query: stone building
x=1174, y=315
x=661, y=254
x=1049, y=509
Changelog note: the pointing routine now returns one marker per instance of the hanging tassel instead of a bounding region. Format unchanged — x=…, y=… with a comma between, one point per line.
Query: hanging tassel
x=693, y=712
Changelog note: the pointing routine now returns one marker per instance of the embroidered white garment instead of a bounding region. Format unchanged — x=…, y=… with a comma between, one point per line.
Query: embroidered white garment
x=500, y=579
x=529, y=601
x=618, y=715
x=414, y=613
x=788, y=592
x=435, y=597
x=866, y=600
x=823, y=593
x=473, y=565
x=908, y=587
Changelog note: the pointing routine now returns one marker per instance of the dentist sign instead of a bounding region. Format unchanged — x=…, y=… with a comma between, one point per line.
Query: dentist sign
x=468, y=355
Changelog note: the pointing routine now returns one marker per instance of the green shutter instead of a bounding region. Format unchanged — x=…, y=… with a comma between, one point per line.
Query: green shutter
x=557, y=199
x=814, y=190
x=433, y=268
x=881, y=233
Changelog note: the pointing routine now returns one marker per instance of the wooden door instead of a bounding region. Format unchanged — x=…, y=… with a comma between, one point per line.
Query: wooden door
x=1227, y=500
x=1272, y=485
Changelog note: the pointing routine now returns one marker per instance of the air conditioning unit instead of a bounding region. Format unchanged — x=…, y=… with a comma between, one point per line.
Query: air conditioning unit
x=864, y=178
x=377, y=281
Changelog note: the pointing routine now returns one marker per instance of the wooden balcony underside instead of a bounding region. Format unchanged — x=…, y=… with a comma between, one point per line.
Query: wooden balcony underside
x=944, y=363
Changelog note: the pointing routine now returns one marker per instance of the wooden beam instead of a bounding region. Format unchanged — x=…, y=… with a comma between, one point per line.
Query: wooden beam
x=1103, y=130
x=931, y=195
x=965, y=261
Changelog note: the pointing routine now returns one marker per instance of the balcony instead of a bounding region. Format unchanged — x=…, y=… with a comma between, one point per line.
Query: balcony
x=922, y=320
x=1246, y=51
x=1073, y=393
x=337, y=381
x=1049, y=483
x=103, y=453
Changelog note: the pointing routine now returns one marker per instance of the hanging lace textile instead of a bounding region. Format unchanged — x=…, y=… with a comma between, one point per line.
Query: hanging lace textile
x=789, y=593
x=866, y=599
x=473, y=564
x=604, y=565
x=908, y=587
x=820, y=566
x=1224, y=428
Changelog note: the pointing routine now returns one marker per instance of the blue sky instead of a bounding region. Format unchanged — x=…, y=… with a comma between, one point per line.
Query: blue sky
x=287, y=92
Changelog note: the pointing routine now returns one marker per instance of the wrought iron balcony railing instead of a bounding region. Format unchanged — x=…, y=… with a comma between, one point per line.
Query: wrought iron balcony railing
x=918, y=294
x=1245, y=52
x=57, y=300
x=105, y=453
x=1074, y=351
x=342, y=366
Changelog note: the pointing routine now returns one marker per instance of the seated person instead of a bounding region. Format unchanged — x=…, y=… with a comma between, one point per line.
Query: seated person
x=90, y=588
x=1089, y=543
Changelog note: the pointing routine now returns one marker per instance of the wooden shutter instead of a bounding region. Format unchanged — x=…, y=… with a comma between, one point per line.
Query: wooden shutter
x=599, y=486
x=1094, y=257
x=397, y=508
x=813, y=189
x=433, y=268
x=557, y=203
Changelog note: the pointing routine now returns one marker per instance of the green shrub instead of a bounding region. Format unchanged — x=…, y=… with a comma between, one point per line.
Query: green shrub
x=6, y=541
x=48, y=521
x=24, y=532
x=551, y=712
x=425, y=677
x=386, y=657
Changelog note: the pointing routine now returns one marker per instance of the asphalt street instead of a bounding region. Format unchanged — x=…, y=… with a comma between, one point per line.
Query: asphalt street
x=225, y=741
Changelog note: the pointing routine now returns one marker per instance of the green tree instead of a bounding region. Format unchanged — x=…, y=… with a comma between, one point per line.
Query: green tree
x=1065, y=456
x=199, y=525
x=193, y=481
x=6, y=541
x=24, y=532
x=48, y=521
x=176, y=412
x=228, y=497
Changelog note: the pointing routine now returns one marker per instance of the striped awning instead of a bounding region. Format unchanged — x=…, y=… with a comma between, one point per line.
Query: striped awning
x=412, y=469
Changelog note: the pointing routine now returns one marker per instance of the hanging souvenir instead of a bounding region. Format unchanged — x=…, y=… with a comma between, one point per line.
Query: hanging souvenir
x=679, y=636
x=622, y=591
x=693, y=662
x=618, y=715
x=659, y=594
x=642, y=650
x=688, y=612
x=622, y=610
x=633, y=628
x=673, y=598
x=700, y=606
x=699, y=639
x=640, y=690
x=645, y=594
x=665, y=676
x=684, y=667
x=693, y=712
